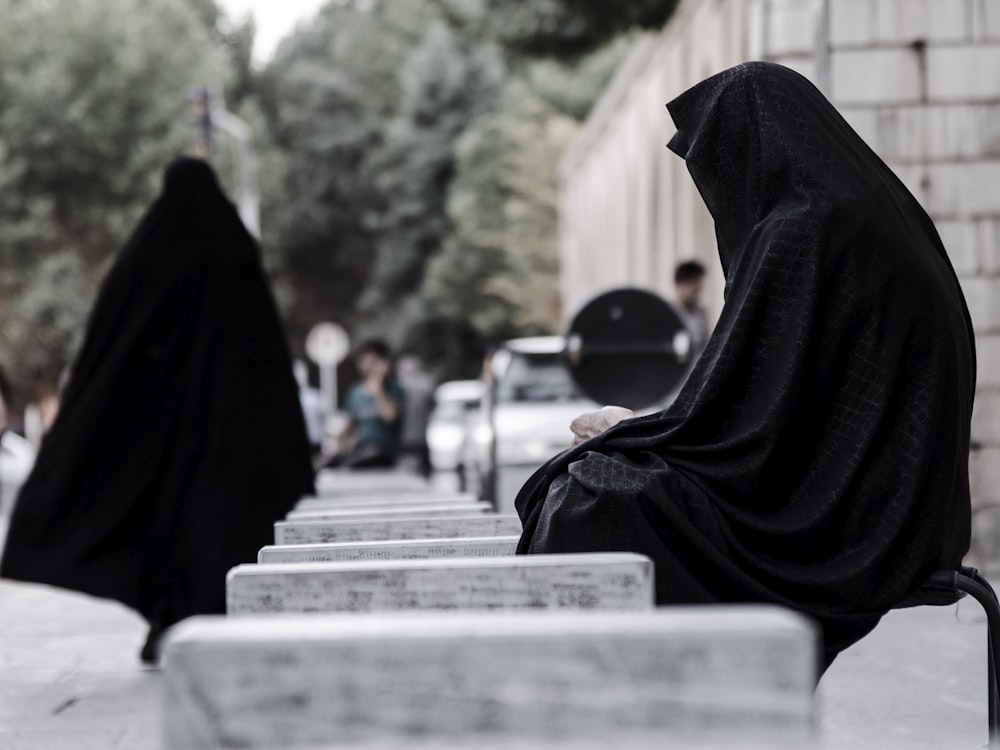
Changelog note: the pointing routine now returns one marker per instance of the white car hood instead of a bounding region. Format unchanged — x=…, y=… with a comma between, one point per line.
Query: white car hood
x=533, y=432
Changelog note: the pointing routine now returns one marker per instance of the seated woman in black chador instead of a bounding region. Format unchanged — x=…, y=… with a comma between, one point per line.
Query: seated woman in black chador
x=180, y=439
x=817, y=456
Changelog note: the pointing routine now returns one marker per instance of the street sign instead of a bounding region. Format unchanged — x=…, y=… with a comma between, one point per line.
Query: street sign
x=327, y=344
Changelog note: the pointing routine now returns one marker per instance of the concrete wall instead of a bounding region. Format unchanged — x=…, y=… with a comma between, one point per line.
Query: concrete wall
x=918, y=79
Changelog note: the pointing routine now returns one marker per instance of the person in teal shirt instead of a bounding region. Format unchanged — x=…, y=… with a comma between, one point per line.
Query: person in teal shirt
x=372, y=434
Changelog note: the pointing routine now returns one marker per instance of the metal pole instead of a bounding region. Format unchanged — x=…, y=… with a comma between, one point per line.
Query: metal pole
x=328, y=385
x=247, y=195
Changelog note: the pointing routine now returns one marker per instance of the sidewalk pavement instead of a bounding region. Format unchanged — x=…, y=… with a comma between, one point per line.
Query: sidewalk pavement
x=70, y=675
x=70, y=678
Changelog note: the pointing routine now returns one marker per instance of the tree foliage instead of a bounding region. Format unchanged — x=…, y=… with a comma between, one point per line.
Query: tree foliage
x=564, y=30
x=91, y=109
x=499, y=266
x=444, y=85
x=327, y=96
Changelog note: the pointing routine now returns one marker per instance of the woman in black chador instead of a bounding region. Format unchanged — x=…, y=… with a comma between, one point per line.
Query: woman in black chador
x=180, y=439
x=817, y=456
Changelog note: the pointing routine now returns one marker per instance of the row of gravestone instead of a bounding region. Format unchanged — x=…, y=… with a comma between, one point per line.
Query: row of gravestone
x=388, y=615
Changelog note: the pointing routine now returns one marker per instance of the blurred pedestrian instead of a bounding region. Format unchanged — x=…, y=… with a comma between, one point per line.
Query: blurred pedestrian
x=314, y=409
x=372, y=435
x=179, y=440
x=418, y=386
x=817, y=456
x=16, y=454
x=689, y=283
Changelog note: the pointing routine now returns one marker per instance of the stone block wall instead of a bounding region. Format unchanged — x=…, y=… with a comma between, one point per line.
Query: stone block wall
x=918, y=79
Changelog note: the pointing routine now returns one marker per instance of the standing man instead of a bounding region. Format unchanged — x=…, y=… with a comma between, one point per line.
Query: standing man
x=372, y=436
x=689, y=281
x=418, y=386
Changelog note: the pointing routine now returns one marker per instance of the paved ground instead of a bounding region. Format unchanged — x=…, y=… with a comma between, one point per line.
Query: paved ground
x=918, y=681
x=69, y=673
x=70, y=678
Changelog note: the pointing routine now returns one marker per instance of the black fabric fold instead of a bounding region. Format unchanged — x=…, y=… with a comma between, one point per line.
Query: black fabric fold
x=817, y=456
x=179, y=439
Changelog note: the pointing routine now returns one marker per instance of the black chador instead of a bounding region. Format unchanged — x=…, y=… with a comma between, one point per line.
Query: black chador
x=180, y=439
x=817, y=457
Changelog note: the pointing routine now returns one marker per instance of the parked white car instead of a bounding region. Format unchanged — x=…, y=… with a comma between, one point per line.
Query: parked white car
x=529, y=401
x=449, y=420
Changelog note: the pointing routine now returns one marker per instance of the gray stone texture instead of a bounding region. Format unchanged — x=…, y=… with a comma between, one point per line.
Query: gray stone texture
x=986, y=539
x=411, y=549
x=362, y=482
x=875, y=76
x=967, y=73
x=442, y=527
x=350, y=681
x=603, y=580
x=391, y=511
x=386, y=500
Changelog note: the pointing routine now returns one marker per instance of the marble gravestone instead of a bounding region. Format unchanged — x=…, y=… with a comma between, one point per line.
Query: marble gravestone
x=437, y=527
x=391, y=500
x=600, y=580
x=463, y=678
x=396, y=511
x=409, y=549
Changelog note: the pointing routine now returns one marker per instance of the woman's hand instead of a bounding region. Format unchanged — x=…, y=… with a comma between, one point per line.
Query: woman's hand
x=593, y=423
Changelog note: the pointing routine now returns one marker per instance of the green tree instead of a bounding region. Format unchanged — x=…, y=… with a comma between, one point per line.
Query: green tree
x=91, y=109
x=327, y=97
x=499, y=267
x=561, y=29
x=445, y=85
x=47, y=317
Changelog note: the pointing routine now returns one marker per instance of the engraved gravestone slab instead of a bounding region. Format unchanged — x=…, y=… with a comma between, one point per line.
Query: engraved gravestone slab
x=398, y=511
x=601, y=580
x=431, y=527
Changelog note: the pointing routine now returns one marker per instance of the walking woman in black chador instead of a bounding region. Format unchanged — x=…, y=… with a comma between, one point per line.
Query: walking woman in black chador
x=179, y=440
x=817, y=456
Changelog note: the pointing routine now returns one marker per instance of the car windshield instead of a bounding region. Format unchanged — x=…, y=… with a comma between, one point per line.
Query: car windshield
x=453, y=411
x=536, y=378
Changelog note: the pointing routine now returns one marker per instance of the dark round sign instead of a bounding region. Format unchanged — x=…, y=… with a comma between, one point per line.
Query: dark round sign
x=628, y=347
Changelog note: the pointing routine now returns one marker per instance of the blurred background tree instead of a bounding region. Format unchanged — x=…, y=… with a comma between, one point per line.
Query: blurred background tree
x=444, y=85
x=557, y=29
x=91, y=109
x=406, y=154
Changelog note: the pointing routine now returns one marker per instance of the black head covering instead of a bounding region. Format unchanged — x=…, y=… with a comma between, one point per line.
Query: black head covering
x=180, y=439
x=818, y=454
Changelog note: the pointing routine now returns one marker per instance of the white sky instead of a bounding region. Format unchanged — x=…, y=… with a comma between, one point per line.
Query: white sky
x=275, y=19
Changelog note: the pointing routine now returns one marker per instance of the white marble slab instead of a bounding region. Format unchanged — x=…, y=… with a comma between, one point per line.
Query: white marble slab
x=644, y=740
x=394, y=511
x=331, y=482
x=432, y=527
x=683, y=674
x=410, y=549
x=600, y=580
x=364, y=501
